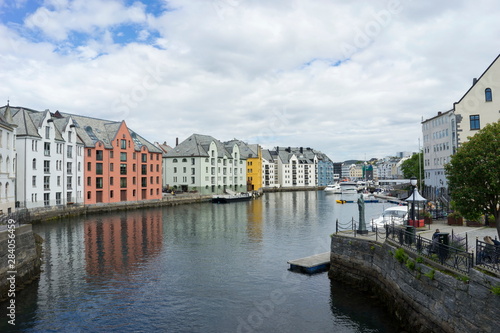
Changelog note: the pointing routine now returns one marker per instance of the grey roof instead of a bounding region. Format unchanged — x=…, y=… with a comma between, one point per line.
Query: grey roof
x=198, y=145
x=246, y=150
x=91, y=130
x=268, y=155
x=25, y=125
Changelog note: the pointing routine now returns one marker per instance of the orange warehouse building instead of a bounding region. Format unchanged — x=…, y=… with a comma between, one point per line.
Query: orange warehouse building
x=119, y=165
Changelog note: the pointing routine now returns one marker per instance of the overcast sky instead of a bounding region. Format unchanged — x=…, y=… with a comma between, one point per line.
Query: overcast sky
x=350, y=78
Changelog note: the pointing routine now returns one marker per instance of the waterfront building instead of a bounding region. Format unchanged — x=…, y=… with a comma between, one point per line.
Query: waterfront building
x=479, y=105
x=48, y=152
x=270, y=168
x=439, y=143
x=165, y=150
x=253, y=155
x=7, y=162
x=119, y=164
x=325, y=170
x=297, y=167
x=204, y=164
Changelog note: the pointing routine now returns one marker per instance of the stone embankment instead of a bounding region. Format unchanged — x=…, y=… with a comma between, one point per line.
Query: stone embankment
x=20, y=259
x=422, y=298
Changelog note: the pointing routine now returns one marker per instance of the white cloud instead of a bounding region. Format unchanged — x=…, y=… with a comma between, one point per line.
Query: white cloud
x=256, y=70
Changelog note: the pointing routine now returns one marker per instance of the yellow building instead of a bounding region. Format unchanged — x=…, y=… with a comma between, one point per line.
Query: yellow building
x=254, y=168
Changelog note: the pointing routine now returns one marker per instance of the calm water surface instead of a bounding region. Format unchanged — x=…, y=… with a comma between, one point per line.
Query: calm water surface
x=197, y=268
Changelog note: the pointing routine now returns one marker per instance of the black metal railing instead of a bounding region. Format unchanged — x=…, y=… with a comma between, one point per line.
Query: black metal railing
x=488, y=255
x=438, y=249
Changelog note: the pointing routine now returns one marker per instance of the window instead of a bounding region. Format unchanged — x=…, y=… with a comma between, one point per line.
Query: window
x=69, y=136
x=111, y=193
x=46, y=166
x=89, y=181
x=69, y=183
x=99, y=155
x=123, y=144
x=111, y=155
x=133, y=167
x=58, y=180
x=144, y=169
x=69, y=168
x=98, y=182
x=144, y=181
x=89, y=153
x=46, y=199
x=98, y=168
x=111, y=181
x=123, y=157
x=474, y=122
x=111, y=166
x=487, y=95
x=47, y=132
x=133, y=180
x=175, y=169
x=46, y=183
x=33, y=181
x=123, y=182
x=46, y=148
x=134, y=155
x=70, y=152
x=89, y=166
x=58, y=198
x=34, y=164
x=144, y=158
x=123, y=169
x=174, y=160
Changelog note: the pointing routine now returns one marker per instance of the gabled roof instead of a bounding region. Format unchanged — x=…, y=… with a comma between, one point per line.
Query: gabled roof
x=477, y=81
x=25, y=125
x=246, y=150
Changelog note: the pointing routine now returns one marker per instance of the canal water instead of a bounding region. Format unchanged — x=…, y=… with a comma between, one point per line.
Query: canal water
x=197, y=268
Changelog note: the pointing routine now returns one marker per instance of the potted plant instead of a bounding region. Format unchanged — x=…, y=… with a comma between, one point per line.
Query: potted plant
x=455, y=218
x=427, y=217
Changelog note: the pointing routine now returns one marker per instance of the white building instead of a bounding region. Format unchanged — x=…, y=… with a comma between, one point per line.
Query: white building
x=204, y=164
x=439, y=144
x=49, y=159
x=7, y=163
x=297, y=167
x=270, y=168
x=480, y=105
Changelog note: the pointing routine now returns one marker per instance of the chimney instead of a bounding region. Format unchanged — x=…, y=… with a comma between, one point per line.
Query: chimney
x=439, y=113
x=474, y=80
x=301, y=150
x=164, y=143
x=176, y=141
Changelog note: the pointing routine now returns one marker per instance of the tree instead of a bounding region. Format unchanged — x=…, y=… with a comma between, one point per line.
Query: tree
x=474, y=174
x=412, y=168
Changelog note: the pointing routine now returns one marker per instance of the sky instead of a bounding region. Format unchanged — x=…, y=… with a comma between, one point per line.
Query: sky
x=353, y=79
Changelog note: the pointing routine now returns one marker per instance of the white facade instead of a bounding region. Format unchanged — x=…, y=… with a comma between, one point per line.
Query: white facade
x=480, y=105
x=7, y=168
x=439, y=144
x=212, y=170
x=49, y=160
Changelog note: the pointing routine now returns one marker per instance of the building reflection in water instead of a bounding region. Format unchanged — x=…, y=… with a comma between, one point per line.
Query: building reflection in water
x=115, y=244
x=255, y=219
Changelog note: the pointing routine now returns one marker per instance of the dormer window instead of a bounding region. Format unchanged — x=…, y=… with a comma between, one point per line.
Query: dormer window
x=487, y=95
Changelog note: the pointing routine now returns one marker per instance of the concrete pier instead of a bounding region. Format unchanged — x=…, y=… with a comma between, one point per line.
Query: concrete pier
x=312, y=264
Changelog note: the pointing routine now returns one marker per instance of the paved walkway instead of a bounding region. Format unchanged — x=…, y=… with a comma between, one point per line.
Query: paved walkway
x=442, y=225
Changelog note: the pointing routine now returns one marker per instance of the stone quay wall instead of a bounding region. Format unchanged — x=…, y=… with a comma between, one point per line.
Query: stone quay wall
x=28, y=259
x=427, y=298
x=59, y=212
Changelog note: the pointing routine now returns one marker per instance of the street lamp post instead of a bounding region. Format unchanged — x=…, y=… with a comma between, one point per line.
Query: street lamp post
x=413, y=182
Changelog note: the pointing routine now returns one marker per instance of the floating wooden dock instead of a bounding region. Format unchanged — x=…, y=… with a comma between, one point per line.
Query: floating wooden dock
x=313, y=264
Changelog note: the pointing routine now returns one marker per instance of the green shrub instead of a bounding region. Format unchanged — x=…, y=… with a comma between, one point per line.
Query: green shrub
x=430, y=274
x=463, y=278
x=410, y=264
x=419, y=260
x=495, y=290
x=400, y=255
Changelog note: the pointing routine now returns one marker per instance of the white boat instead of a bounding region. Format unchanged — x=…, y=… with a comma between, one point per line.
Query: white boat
x=231, y=196
x=333, y=189
x=348, y=187
x=396, y=215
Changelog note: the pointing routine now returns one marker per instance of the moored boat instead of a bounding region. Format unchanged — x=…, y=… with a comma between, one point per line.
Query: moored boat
x=396, y=215
x=231, y=197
